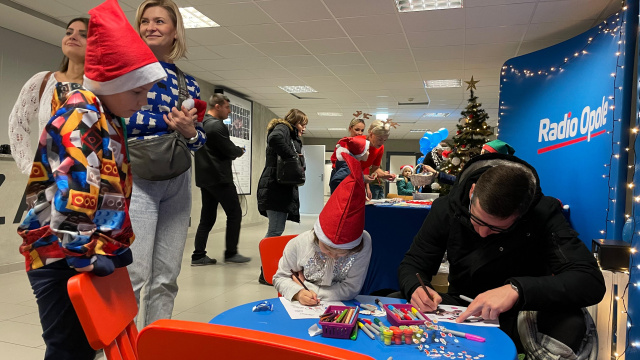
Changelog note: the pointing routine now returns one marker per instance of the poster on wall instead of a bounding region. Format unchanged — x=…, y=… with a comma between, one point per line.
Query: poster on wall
x=239, y=125
x=562, y=109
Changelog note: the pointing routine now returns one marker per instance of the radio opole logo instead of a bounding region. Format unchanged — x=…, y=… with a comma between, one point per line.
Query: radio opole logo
x=573, y=130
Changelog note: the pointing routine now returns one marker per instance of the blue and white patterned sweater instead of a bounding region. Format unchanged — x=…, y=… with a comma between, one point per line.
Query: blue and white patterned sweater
x=162, y=97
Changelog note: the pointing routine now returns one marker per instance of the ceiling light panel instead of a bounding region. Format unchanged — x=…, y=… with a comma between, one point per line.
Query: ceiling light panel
x=426, y=5
x=297, y=89
x=329, y=114
x=451, y=83
x=193, y=19
x=436, y=114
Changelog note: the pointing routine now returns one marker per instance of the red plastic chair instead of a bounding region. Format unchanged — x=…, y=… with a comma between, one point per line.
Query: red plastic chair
x=177, y=339
x=106, y=307
x=271, y=249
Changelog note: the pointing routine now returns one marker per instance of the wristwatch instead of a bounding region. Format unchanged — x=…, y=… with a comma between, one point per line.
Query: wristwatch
x=193, y=139
x=514, y=287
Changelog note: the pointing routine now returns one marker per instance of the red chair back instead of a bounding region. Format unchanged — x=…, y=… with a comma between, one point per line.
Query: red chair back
x=177, y=339
x=271, y=249
x=106, y=307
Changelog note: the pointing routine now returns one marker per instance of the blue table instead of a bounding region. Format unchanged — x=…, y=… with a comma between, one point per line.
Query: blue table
x=392, y=229
x=497, y=347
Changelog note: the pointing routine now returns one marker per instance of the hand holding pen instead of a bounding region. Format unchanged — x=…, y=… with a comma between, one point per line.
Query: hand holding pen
x=425, y=299
x=306, y=296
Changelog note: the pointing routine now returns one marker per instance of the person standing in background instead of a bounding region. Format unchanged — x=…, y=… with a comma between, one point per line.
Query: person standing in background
x=214, y=177
x=34, y=104
x=160, y=210
x=378, y=134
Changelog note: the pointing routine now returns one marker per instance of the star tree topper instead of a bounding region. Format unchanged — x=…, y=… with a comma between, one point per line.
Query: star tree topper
x=472, y=84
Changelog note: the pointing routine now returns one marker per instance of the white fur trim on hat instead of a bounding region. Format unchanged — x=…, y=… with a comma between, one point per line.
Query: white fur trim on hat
x=404, y=167
x=341, y=150
x=149, y=73
x=366, y=148
x=322, y=237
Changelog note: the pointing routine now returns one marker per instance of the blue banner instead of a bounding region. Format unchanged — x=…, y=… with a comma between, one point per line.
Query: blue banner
x=563, y=110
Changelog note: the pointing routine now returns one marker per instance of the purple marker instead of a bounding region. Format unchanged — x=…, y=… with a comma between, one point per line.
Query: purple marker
x=464, y=335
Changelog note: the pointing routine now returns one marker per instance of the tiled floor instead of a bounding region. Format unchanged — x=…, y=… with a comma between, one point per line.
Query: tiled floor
x=205, y=291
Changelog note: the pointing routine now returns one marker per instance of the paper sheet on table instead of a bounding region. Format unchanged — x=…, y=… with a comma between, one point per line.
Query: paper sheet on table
x=298, y=311
x=449, y=313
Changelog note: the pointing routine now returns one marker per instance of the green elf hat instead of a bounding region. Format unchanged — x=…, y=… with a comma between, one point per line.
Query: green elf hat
x=498, y=146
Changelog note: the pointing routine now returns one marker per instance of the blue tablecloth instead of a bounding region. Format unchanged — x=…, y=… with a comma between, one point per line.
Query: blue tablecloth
x=392, y=229
x=498, y=345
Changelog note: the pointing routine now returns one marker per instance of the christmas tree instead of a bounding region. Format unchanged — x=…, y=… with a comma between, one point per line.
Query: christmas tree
x=473, y=132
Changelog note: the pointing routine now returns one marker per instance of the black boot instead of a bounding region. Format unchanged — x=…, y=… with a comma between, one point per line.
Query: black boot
x=262, y=280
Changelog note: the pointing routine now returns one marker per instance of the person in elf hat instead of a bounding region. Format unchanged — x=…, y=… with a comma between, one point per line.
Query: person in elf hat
x=404, y=181
x=79, y=188
x=332, y=258
x=358, y=147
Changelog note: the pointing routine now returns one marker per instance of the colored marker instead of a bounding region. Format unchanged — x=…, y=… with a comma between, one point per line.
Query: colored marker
x=365, y=306
x=379, y=304
x=466, y=298
x=344, y=312
x=372, y=324
x=366, y=331
x=417, y=313
x=371, y=328
x=410, y=315
x=464, y=335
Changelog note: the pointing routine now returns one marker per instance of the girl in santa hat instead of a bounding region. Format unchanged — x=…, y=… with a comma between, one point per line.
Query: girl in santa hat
x=404, y=181
x=332, y=259
x=79, y=189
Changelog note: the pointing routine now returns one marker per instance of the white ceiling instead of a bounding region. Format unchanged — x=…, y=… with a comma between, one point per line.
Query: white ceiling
x=358, y=54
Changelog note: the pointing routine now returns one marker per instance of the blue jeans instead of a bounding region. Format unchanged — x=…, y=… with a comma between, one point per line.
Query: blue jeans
x=277, y=221
x=377, y=191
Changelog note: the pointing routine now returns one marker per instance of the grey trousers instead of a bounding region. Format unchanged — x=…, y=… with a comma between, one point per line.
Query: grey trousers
x=159, y=212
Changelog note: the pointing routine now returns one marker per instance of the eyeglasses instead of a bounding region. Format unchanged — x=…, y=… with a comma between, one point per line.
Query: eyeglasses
x=488, y=226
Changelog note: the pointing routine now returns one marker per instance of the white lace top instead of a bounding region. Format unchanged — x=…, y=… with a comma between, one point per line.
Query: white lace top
x=26, y=112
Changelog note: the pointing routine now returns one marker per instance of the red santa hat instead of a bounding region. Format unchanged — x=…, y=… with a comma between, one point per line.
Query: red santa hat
x=356, y=146
x=341, y=221
x=404, y=167
x=117, y=59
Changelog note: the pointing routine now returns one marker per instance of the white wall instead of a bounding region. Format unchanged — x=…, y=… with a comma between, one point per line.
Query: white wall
x=20, y=58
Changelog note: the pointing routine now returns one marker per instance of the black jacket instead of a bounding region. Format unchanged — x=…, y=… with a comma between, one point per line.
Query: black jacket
x=542, y=255
x=272, y=195
x=213, y=160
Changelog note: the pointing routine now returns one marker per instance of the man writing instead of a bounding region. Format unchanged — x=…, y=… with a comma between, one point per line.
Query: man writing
x=510, y=248
x=214, y=177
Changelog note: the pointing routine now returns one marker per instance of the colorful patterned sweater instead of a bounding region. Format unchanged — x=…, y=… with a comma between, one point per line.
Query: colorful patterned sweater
x=163, y=96
x=80, y=185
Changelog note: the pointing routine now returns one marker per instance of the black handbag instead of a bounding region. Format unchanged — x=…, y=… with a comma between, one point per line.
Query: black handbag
x=290, y=171
x=162, y=157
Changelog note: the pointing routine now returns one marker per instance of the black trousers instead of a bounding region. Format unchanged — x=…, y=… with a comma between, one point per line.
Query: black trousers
x=61, y=329
x=227, y=196
x=565, y=325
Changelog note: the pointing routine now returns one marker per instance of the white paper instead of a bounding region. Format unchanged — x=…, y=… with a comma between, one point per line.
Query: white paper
x=449, y=313
x=299, y=311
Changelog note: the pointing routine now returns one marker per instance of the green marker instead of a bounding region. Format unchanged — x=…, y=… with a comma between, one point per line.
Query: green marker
x=344, y=312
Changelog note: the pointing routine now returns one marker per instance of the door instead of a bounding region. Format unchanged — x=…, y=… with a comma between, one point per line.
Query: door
x=312, y=192
x=395, y=162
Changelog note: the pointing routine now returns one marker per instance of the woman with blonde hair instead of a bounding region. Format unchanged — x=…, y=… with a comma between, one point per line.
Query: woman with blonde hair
x=160, y=208
x=34, y=104
x=280, y=202
x=379, y=132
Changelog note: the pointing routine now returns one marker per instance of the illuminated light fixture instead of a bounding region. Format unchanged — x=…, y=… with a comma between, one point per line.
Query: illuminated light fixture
x=425, y=5
x=436, y=114
x=193, y=19
x=382, y=116
x=329, y=114
x=337, y=129
x=422, y=131
x=297, y=89
x=434, y=84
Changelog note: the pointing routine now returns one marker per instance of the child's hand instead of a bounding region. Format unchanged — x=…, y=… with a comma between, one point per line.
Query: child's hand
x=307, y=297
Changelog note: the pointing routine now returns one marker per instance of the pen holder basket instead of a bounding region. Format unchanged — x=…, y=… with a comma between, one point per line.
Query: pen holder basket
x=394, y=321
x=339, y=330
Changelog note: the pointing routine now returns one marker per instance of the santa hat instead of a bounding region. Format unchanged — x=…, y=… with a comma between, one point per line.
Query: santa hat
x=341, y=221
x=356, y=146
x=117, y=59
x=404, y=167
x=498, y=146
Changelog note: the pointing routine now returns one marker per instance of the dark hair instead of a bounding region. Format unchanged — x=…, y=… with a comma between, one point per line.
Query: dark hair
x=356, y=249
x=505, y=190
x=64, y=65
x=217, y=99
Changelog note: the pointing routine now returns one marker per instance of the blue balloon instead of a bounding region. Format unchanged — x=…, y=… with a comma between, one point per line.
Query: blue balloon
x=420, y=160
x=427, y=135
x=425, y=142
x=436, y=138
x=444, y=132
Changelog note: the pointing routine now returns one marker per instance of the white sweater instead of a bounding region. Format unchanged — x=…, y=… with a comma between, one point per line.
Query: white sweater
x=333, y=280
x=27, y=111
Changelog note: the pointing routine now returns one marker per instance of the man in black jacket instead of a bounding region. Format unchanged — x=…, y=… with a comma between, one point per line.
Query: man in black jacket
x=509, y=248
x=214, y=177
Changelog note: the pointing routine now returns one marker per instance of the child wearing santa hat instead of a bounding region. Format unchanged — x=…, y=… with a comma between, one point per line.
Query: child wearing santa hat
x=356, y=146
x=331, y=260
x=404, y=181
x=80, y=184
